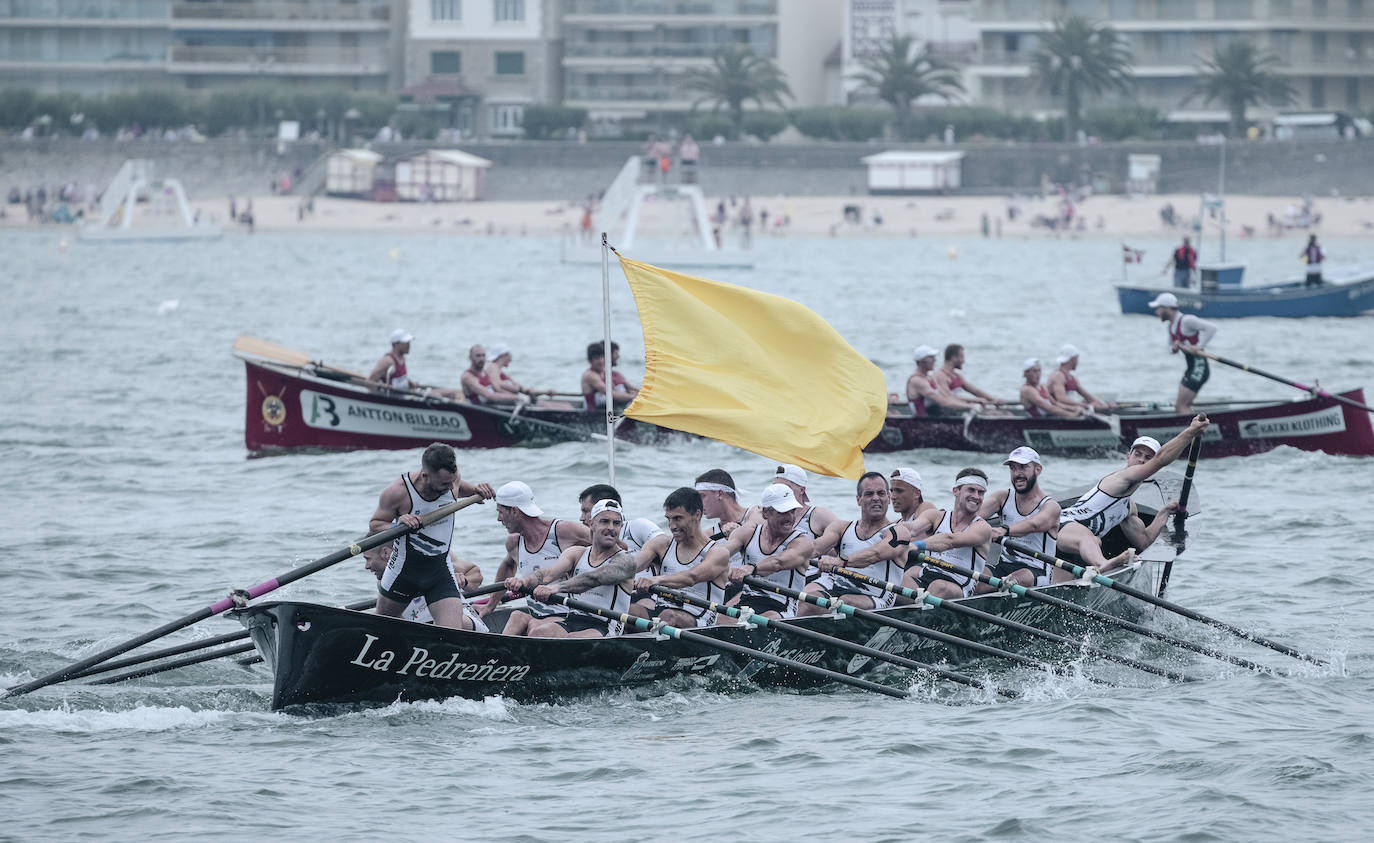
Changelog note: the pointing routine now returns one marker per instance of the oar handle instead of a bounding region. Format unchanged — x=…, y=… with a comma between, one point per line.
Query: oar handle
x=1181, y=515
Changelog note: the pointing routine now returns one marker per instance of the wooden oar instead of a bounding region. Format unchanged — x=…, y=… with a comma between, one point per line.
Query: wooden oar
x=357, y=547
x=830, y=640
x=1314, y=390
x=915, y=629
x=1180, y=536
x=1095, y=614
x=1079, y=571
x=1016, y=626
x=726, y=646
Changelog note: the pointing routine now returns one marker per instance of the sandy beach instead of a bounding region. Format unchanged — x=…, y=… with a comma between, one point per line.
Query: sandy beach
x=1111, y=217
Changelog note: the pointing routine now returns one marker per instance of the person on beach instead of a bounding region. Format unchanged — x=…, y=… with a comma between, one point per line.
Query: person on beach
x=1029, y=516
x=1063, y=381
x=417, y=564
x=1188, y=334
x=1083, y=525
x=390, y=371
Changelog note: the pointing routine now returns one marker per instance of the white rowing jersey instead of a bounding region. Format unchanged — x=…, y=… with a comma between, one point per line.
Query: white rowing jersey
x=613, y=597
x=427, y=545
x=543, y=556
x=1098, y=511
x=1044, y=541
x=787, y=578
x=965, y=557
x=636, y=533
x=890, y=570
x=673, y=564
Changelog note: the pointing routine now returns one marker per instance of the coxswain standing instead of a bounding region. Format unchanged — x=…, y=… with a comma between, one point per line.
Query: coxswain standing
x=683, y=562
x=1083, y=525
x=1062, y=381
x=522, y=518
x=908, y=494
x=869, y=543
x=1188, y=334
x=950, y=378
x=924, y=394
x=477, y=385
x=600, y=574
x=390, y=371
x=774, y=550
x=958, y=535
x=1029, y=517
x=1035, y=397
x=417, y=564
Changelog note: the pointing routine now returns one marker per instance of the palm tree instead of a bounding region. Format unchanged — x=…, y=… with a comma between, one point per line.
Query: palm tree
x=737, y=75
x=1078, y=57
x=1240, y=75
x=899, y=75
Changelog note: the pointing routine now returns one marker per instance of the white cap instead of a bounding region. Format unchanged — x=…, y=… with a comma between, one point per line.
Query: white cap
x=497, y=350
x=924, y=351
x=401, y=335
x=1029, y=363
x=1067, y=353
x=1148, y=441
x=603, y=505
x=520, y=496
x=1164, y=300
x=909, y=476
x=780, y=498
x=791, y=473
x=1023, y=455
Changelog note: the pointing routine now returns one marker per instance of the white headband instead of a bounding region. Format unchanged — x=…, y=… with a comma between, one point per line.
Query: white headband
x=716, y=487
x=971, y=480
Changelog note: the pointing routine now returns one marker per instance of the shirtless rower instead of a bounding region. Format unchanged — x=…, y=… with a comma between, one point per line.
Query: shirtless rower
x=958, y=535
x=477, y=385
x=869, y=544
x=1082, y=526
x=774, y=550
x=951, y=379
x=417, y=564
x=924, y=394
x=600, y=574
x=1029, y=516
x=390, y=371
x=908, y=494
x=549, y=537
x=685, y=562
x=1062, y=381
x=1188, y=334
x=1036, y=398
x=594, y=380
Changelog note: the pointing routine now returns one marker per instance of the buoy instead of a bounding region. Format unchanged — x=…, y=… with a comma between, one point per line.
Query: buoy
x=394, y=253
x=63, y=244
x=953, y=253
x=168, y=306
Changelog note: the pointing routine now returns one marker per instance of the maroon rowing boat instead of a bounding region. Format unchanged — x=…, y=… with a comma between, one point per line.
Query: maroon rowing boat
x=310, y=406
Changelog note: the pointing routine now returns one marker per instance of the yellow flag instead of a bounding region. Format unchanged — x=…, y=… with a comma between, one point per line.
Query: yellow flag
x=754, y=370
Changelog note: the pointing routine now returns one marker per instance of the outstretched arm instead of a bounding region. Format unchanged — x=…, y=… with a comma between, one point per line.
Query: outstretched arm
x=1169, y=452
x=618, y=568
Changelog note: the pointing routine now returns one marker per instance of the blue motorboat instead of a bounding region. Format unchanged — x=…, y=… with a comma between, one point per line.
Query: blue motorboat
x=1222, y=296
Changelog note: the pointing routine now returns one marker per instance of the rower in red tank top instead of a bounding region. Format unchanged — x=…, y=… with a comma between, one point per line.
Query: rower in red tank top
x=477, y=386
x=594, y=378
x=950, y=378
x=924, y=395
x=1036, y=399
x=1062, y=382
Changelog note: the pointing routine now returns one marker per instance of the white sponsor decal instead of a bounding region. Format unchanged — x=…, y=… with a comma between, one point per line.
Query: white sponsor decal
x=419, y=663
x=1164, y=434
x=1320, y=423
x=335, y=412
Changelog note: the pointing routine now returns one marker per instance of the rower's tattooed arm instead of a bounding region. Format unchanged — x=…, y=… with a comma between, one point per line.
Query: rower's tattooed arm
x=617, y=568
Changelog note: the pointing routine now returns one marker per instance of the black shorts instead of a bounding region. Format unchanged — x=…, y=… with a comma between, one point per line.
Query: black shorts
x=760, y=604
x=839, y=587
x=1195, y=372
x=931, y=575
x=1005, y=567
x=703, y=617
x=422, y=576
x=578, y=622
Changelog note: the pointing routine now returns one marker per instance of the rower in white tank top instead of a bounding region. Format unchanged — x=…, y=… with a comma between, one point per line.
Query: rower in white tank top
x=1042, y=541
x=788, y=578
x=889, y=570
x=542, y=557
x=1098, y=511
x=702, y=590
x=967, y=557
x=613, y=597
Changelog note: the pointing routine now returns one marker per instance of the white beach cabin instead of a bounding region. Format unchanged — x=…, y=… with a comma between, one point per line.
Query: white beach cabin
x=441, y=175
x=351, y=172
x=909, y=171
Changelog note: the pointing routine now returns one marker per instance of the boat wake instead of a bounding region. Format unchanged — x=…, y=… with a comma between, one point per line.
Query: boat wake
x=66, y=719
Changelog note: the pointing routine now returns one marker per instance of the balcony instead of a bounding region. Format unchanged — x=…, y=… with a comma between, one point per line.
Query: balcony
x=280, y=61
x=68, y=12
x=612, y=50
x=631, y=95
x=677, y=8
x=371, y=15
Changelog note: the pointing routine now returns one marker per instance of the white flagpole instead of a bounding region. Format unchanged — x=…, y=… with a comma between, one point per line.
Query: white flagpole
x=606, y=347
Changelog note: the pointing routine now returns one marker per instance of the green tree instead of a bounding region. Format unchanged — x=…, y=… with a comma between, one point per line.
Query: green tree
x=899, y=75
x=737, y=76
x=1078, y=57
x=1239, y=75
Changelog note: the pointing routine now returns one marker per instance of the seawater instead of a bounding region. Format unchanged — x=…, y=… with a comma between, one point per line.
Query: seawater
x=129, y=501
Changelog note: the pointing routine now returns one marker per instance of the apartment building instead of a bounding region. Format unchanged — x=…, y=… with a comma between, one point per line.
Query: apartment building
x=85, y=46
x=943, y=27
x=480, y=63
x=1327, y=47
x=625, y=60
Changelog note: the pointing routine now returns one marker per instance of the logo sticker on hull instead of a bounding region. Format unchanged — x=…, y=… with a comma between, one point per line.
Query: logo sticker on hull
x=1320, y=423
x=336, y=412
